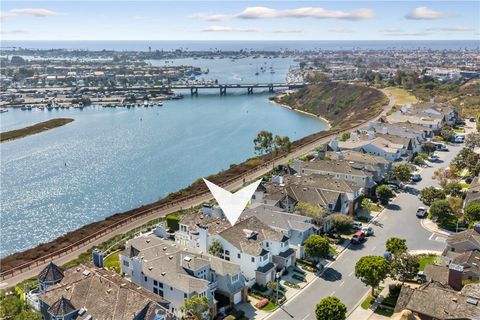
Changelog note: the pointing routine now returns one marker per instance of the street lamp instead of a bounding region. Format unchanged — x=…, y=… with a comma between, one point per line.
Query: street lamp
x=277, y=277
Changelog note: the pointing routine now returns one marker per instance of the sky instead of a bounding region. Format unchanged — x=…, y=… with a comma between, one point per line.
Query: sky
x=239, y=20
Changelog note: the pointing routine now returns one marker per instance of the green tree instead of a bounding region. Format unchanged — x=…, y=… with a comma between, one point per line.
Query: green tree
x=405, y=265
x=472, y=211
x=316, y=246
x=282, y=144
x=330, y=308
x=341, y=222
x=309, y=210
x=456, y=205
x=401, y=172
x=28, y=315
x=441, y=209
x=396, y=246
x=345, y=136
x=467, y=159
x=372, y=270
x=447, y=133
x=472, y=140
x=453, y=189
x=216, y=248
x=195, y=307
x=10, y=307
x=384, y=193
x=430, y=194
x=263, y=142
x=429, y=147
x=420, y=158
x=367, y=204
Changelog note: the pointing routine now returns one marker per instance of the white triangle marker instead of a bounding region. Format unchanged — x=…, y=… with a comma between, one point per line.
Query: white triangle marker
x=232, y=204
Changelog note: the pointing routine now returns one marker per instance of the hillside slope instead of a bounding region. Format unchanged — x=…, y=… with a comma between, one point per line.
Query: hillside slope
x=340, y=103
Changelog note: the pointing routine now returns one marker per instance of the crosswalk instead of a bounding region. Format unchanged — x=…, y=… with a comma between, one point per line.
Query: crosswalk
x=435, y=237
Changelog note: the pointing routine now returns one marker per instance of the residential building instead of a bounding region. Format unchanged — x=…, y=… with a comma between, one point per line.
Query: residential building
x=336, y=170
x=175, y=274
x=297, y=228
x=473, y=192
x=434, y=301
x=88, y=292
x=461, y=242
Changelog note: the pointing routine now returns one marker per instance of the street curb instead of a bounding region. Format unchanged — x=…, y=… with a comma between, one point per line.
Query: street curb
x=439, y=232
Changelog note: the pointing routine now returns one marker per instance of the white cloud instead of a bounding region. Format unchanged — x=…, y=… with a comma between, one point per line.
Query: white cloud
x=305, y=12
x=288, y=31
x=340, y=30
x=450, y=29
x=15, y=31
x=228, y=29
x=391, y=30
x=424, y=13
x=138, y=18
x=34, y=12
x=210, y=17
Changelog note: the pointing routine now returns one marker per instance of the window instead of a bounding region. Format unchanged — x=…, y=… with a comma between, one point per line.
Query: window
x=125, y=263
x=160, y=285
x=185, y=295
x=171, y=288
x=146, y=280
x=235, y=278
x=227, y=258
x=227, y=252
x=267, y=244
x=253, y=259
x=160, y=293
x=155, y=290
x=238, y=255
x=155, y=282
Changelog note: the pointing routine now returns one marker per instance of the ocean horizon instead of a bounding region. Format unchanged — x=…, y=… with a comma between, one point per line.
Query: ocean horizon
x=237, y=45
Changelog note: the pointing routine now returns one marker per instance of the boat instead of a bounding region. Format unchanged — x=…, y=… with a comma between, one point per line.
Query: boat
x=24, y=108
x=3, y=110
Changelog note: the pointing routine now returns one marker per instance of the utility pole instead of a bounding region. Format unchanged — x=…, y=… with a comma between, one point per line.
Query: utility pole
x=277, y=277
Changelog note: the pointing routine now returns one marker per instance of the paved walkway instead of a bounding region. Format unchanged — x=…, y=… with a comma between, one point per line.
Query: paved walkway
x=431, y=226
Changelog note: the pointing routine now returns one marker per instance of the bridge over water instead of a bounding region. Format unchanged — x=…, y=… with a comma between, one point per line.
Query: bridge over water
x=223, y=87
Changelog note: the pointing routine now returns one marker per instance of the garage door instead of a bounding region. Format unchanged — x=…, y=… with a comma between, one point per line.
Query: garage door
x=237, y=297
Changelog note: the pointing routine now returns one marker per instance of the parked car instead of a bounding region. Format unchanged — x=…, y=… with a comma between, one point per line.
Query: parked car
x=421, y=212
x=421, y=277
x=460, y=122
x=468, y=180
x=459, y=138
x=416, y=177
x=368, y=231
x=358, y=237
x=472, y=119
x=394, y=187
x=433, y=158
x=357, y=225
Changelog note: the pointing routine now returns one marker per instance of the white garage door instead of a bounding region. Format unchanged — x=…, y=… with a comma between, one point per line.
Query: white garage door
x=237, y=297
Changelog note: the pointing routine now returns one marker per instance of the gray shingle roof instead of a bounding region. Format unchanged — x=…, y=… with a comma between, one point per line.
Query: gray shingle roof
x=61, y=307
x=51, y=273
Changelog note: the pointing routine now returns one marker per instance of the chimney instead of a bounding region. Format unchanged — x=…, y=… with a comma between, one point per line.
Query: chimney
x=340, y=155
x=370, y=135
x=334, y=144
x=455, y=273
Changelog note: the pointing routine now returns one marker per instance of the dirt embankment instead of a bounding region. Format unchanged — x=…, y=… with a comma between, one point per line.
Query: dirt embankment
x=34, y=129
x=342, y=104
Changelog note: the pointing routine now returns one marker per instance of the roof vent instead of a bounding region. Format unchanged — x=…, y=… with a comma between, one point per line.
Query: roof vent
x=163, y=273
x=86, y=272
x=187, y=258
x=123, y=285
x=170, y=257
x=150, y=268
x=164, y=248
x=472, y=301
x=148, y=240
x=109, y=290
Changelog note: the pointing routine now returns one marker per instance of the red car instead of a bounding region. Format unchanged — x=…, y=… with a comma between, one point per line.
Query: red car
x=358, y=237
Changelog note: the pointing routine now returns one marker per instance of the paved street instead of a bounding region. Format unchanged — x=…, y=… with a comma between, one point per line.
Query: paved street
x=397, y=220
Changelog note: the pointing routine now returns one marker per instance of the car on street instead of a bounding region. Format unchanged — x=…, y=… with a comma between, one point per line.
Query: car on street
x=433, y=158
x=358, y=237
x=421, y=212
x=416, y=177
x=368, y=231
x=357, y=225
x=458, y=138
x=394, y=187
x=472, y=119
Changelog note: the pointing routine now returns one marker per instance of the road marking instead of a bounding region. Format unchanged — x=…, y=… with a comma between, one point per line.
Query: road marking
x=341, y=284
x=333, y=293
x=433, y=234
x=3, y=284
x=350, y=274
x=374, y=247
x=308, y=315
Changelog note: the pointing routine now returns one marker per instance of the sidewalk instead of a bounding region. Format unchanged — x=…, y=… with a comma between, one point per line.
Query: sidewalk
x=363, y=314
x=432, y=227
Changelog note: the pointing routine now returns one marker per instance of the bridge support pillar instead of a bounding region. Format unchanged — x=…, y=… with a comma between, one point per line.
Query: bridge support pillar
x=194, y=91
x=250, y=90
x=223, y=91
x=270, y=88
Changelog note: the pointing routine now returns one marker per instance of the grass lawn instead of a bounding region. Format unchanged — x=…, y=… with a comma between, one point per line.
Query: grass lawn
x=332, y=250
x=375, y=207
x=368, y=302
x=112, y=262
x=459, y=130
x=401, y=96
x=270, y=306
x=429, y=259
x=384, y=312
x=464, y=185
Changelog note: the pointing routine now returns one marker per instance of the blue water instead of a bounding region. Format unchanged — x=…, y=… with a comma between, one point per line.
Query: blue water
x=142, y=45
x=118, y=159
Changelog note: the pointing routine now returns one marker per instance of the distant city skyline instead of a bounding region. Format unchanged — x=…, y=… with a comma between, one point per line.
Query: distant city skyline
x=240, y=20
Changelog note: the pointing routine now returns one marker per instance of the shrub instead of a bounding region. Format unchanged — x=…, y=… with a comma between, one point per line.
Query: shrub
x=172, y=221
x=341, y=222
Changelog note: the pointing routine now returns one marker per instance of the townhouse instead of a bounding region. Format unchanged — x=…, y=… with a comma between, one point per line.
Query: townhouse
x=336, y=170
x=296, y=227
x=376, y=165
x=88, y=292
x=176, y=274
x=257, y=248
x=430, y=115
